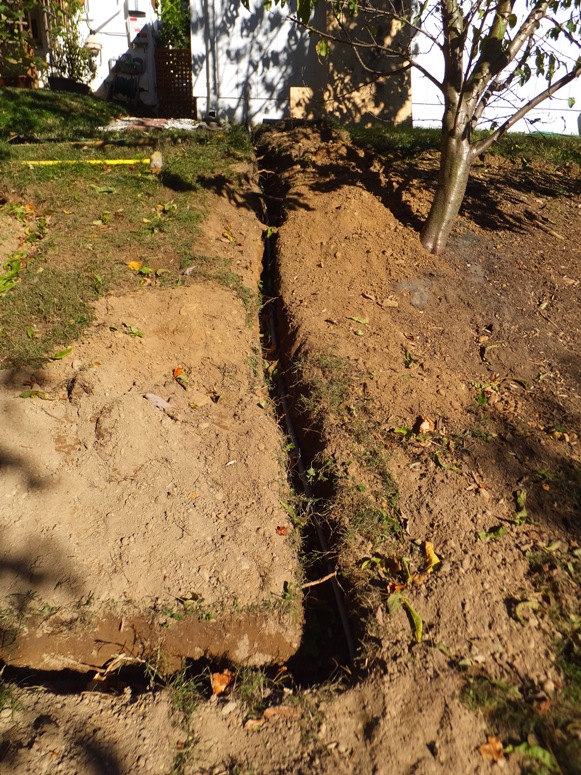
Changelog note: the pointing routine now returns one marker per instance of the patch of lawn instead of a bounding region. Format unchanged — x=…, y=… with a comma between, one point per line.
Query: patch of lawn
x=520, y=147
x=44, y=115
x=89, y=229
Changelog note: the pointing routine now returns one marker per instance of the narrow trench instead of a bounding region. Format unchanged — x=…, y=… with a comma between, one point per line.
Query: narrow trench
x=327, y=644
x=327, y=648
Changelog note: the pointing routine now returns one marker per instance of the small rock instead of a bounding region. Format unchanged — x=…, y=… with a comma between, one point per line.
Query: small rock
x=228, y=708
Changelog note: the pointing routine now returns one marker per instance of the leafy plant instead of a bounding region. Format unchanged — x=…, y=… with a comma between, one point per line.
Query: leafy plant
x=67, y=57
x=175, y=23
x=17, y=55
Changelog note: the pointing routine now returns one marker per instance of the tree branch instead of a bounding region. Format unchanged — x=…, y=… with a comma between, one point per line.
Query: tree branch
x=482, y=146
x=406, y=62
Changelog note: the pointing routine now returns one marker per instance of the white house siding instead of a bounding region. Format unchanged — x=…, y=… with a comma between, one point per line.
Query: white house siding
x=552, y=116
x=121, y=33
x=245, y=62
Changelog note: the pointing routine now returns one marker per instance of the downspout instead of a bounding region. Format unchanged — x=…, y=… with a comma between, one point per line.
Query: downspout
x=211, y=63
x=208, y=56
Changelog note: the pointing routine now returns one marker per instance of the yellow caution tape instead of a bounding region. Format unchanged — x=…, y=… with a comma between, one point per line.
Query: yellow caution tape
x=106, y=162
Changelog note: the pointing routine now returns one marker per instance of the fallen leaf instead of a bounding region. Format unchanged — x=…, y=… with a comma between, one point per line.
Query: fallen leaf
x=520, y=608
x=492, y=534
x=282, y=712
x=446, y=466
x=254, y=723
x=393, y=565
x=221, y=681
x=433, y=562
x=363, y=321
x=492, y=749
x=534, y=752
x=135, y=265
x=62, y=354
x=282, y=530
x=415, y=620
x=132, y=330
x=157, y=401
x=34, y=394
x=426, y=425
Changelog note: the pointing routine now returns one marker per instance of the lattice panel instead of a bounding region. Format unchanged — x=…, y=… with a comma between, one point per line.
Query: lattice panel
x=174, y=83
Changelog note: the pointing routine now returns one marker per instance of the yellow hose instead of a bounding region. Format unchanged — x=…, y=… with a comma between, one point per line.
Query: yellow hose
x=107, y=162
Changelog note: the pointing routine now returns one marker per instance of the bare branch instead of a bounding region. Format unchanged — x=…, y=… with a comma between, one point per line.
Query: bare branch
x=406, y=62
x=480, y=147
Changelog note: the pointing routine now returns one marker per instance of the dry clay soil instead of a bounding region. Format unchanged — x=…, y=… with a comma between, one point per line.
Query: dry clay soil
x=416, y=338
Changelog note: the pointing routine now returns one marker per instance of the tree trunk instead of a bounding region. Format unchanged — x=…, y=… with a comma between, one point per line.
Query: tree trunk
x=455, y=163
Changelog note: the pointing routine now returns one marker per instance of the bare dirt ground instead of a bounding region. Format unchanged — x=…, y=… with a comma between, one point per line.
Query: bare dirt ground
x=437, y=399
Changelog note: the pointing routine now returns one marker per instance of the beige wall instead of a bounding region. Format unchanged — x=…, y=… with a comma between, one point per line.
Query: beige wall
x=341, y=88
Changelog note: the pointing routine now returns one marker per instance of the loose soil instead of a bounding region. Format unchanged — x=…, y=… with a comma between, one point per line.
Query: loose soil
x=437, y=400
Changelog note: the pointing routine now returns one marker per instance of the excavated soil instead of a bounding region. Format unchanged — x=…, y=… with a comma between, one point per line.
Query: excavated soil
x=479, y=347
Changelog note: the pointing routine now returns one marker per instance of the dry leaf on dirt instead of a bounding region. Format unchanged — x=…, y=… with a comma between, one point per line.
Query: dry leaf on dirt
x=492, y=749
x=158, y=401
x=221, y=681
x=282, y=712
x=424, y=425
x=254, y=723
x=433, y=562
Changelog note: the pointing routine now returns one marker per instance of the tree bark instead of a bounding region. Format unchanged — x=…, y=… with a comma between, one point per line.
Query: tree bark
x=455, y=163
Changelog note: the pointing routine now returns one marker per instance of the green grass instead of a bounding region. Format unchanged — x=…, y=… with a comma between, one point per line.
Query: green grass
x=8, y=699
x=44, y=313
x=407, y=142
x=518, y=714
x=82, y=224
x=44, y=115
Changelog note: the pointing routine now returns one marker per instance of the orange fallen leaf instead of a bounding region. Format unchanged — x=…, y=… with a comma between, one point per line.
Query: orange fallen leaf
x=393, y=586
x=282, y=712
x=492, y=749
x=135, y=266
x=282, y=530
x=177, y=372
x=221, y=681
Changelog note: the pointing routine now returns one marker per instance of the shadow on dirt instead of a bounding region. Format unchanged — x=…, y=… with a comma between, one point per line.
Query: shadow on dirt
x=389, y=176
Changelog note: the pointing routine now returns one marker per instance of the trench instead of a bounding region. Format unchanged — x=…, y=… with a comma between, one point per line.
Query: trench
x=327, y=648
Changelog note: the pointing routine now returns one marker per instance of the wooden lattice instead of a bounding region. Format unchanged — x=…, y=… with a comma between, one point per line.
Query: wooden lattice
x=174, y=83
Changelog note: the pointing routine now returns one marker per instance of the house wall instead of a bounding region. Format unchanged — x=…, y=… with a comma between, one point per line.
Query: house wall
x=553, y=115
x=254, y=65
x=122, y=34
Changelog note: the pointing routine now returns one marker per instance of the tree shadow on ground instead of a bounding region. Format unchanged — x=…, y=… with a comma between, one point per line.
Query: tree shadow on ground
x=390, y=176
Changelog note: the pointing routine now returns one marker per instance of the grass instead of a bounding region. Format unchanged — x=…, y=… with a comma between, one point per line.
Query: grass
x=81, y=226
x=44, y=115
x=7, y=696
x=518, y=714
x=407, y=142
